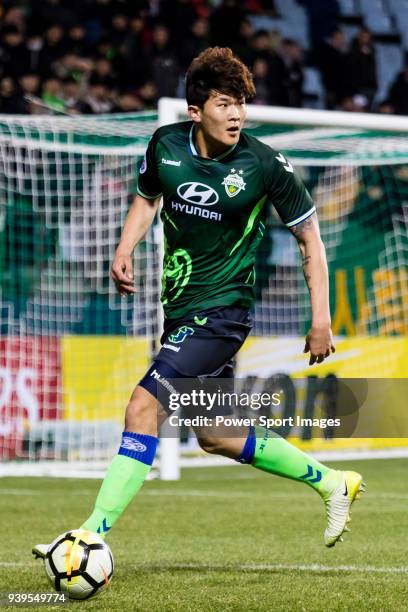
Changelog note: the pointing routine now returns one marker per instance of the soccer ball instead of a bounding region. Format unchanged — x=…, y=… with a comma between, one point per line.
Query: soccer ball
x=79, y=563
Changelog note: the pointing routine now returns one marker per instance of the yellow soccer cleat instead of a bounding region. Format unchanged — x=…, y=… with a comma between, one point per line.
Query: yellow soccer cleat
x=338, y=504
x=40, y=551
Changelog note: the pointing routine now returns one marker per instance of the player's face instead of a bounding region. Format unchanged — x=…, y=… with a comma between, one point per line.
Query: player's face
x=220, y=120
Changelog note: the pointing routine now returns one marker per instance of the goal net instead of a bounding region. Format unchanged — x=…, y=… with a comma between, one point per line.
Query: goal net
x=71, y=349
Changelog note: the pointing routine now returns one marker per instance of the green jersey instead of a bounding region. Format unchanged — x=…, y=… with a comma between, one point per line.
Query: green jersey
x=214, y=213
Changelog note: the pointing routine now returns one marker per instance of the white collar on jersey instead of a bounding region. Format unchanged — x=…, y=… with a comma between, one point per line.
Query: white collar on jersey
x=195, y=152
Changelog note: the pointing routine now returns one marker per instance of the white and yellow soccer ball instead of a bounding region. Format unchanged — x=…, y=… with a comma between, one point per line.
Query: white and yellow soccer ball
x=79, y=563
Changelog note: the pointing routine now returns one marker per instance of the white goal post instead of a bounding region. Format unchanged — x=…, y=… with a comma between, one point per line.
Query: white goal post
x=174, y=109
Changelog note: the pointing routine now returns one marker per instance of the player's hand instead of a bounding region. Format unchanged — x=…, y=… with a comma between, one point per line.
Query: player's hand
x=122, y=274
x=319, y=342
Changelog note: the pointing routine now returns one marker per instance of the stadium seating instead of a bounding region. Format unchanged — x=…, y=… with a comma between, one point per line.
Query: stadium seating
x=397, y=7
x=313, y=90
x=387, y=19
x=376, y=18
x=399, y=12
x=389, y=64
x=348, y=8
x=287, y=8
x=294, y=27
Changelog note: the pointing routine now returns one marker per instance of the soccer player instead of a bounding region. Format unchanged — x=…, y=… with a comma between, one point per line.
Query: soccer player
x=215, y=182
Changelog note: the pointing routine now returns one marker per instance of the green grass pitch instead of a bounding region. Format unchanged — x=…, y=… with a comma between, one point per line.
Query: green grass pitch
x=223, y=539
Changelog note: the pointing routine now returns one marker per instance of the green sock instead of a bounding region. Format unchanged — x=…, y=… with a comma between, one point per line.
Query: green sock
x=275, y=455
x=124, y=478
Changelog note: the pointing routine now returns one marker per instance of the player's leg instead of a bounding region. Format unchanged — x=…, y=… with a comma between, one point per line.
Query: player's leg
x=265, y=450
x=207, y=350
x=260, y=447
x=129, y=469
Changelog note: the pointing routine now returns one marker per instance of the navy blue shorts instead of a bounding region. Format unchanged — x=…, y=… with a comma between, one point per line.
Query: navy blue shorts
x=203, y=344
x=199, y=345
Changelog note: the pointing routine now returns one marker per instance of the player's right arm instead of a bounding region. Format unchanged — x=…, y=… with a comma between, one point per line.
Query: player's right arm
x=138, y=220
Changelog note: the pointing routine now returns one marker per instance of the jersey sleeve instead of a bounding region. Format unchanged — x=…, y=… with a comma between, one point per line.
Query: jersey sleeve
x=148, y=184
x=286, y=190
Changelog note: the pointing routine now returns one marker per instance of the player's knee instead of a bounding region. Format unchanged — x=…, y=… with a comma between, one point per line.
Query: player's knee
x=141, y=412
x=211, y=444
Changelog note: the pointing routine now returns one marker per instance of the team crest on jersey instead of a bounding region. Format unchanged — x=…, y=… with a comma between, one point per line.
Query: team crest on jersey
x=234, y=183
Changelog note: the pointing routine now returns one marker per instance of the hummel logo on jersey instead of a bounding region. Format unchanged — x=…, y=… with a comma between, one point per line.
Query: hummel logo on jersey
x=286, y=164
x=134, y=445
x=234, y=183
x=171, y=162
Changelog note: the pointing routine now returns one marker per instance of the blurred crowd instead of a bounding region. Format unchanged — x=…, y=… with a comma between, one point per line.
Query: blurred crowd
x=104, y=56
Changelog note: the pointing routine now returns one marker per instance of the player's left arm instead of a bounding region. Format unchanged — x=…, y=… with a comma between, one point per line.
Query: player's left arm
x=319, y=340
